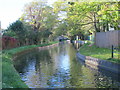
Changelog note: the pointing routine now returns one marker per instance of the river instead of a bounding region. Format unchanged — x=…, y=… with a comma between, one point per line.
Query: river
x=58, y=67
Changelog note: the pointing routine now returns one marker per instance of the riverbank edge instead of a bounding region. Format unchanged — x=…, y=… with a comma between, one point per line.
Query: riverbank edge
x=13, y=79
x=98, y=63
x=30, y=49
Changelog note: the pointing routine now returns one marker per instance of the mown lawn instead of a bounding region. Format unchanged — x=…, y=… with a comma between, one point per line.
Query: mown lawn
x=101, y=53
x=10, y=77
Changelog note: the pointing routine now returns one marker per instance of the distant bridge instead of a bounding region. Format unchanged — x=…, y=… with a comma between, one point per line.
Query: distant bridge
x=62, y=38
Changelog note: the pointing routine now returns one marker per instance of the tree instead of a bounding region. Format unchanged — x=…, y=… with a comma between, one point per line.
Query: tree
x=18, y=28
x=42, y=18
x=109, y=15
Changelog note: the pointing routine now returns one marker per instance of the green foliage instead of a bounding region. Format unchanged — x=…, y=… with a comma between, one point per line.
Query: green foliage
x=10, y=33
x=10, y=78
x=109, y=14
x=17, y=26
x=61, y=29
x=18, y=30
x=85, y=16
x=42, y=19
x=41, y=23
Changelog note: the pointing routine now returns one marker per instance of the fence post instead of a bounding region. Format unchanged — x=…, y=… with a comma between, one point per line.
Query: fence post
x=112, y=51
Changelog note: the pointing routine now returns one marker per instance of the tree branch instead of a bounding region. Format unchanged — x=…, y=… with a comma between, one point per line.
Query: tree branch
x=87, y=23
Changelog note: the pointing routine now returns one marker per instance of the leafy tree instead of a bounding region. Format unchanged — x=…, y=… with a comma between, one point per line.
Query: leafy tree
x=109, y=15
x=42, y=18
x=10, y=33
x=18, y=29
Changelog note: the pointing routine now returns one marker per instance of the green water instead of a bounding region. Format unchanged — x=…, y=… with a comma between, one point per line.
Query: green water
x=58, y=67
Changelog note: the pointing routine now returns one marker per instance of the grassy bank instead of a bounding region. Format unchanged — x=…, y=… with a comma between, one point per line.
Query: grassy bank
x=101, y=53
x=10, y=77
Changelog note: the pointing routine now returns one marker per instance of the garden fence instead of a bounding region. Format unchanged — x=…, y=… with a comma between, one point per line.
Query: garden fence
x=107, y=39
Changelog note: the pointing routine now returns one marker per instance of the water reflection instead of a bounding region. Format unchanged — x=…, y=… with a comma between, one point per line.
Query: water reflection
x=57, y=67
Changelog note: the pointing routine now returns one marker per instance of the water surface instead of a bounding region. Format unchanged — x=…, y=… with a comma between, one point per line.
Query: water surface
x=58, y=67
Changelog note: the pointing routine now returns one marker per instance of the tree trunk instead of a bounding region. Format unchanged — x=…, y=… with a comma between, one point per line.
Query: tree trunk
x=95, y=23
x=107, y=26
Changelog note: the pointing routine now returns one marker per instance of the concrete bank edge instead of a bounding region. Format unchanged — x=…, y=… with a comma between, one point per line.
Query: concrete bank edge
x=98, y=63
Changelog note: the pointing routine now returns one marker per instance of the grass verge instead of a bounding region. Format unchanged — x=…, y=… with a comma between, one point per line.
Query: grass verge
x=10, y=77
x=101, y=53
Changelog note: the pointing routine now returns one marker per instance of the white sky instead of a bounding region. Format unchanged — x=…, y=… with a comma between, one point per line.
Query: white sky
x=11, y=10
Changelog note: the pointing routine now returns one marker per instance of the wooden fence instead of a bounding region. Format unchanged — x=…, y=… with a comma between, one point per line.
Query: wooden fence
x=8, y=42
x=107, y=39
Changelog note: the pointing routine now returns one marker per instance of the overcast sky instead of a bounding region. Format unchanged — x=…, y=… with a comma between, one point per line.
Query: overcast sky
x=11, y=10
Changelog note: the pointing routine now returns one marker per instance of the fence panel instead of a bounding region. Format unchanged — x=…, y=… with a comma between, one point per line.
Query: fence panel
x=107, y=39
